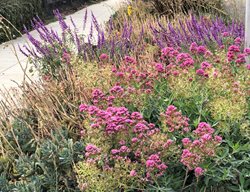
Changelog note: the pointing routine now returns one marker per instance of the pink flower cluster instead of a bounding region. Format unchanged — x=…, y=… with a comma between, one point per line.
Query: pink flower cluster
x=136, y=141
x=184, y=60
x=91, y=150
x=234, y=54
x=104, y=57
x=129, y=59
x=202, y=71
x=155, y=166
x=200, y=50
x=175, y=121
x=128, y=74
x=66, y=57
x=195, y=152
x=169, y=52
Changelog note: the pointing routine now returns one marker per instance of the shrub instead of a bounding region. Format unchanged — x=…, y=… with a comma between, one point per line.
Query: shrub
x=115, y=133
x=19, y=13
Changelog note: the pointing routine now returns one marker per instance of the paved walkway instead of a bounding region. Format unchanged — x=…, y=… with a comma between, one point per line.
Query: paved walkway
x=10, y=69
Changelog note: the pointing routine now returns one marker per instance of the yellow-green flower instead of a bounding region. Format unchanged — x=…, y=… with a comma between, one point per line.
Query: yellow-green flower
x=130, y=10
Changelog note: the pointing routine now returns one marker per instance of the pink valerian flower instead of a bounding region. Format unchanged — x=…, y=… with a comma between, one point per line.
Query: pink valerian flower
x=201, y=50
x=150, y=163
x=115, y=151
x=238, y=41
x=66, y=57
x=175, y=73
x=208, y=54
x=155, y=166
x=136, y=116
x=193, y=47
x=225, y=34
x=122, y=142
x=124, y=149
x=134, y=140
x=129, y=59
x=230, y=56
x=119, y=74
x=247, y=51
x=248, y=66
x=205, y=65
x=133, y=173
x=182, y=57
x=201, y=72
x=218, y=138
x=203, y=128
x=206, y=137
x=97, y=95
x=234, y=48
x=169, y=52
x=159, y=67
x=198, y=171
x=103, y=57
x=186, y=141
x=175, y=121
x=189, y=159
x=116, y=90
x=201, y=148
x=140, y=128
x=184, y=60
x=83, y=107
x=92, y=150
x=241, y=58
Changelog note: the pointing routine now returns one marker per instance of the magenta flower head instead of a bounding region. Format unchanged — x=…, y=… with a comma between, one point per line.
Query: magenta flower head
x=206, y=137
x=103, y=57
x=237, y=40
x=198, y=171
x=234, y=48
x=159, y=67
x=205, y=65
x=201, y=49
x=200, y=72
x=203, y=128
x=186, y=141
x=150, y=163
x=225, y=34
x=129, y=59
x=193, y=47
x=248, y=66
x=83, y=107
x=66, y=57
x=218, y=138
x=133, y=173
x=92, y=150
x=247, y=51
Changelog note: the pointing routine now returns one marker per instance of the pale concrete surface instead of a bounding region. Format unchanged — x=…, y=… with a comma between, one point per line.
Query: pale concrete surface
x=10, y=70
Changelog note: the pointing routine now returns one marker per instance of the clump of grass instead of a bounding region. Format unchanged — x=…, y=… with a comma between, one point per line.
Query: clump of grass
x=173, y=7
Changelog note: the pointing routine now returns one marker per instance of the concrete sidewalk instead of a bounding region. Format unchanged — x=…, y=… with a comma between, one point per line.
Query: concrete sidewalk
x=10, y=69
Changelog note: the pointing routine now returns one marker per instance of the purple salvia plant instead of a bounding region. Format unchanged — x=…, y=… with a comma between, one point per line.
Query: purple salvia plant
x=85, y=19
x=94, y=21
x=62, y=23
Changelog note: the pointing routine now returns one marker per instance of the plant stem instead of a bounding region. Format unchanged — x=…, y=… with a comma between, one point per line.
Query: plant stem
x=184, y=183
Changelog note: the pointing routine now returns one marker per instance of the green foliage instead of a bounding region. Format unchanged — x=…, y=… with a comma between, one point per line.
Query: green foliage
x=19, y=13
x=42, y=165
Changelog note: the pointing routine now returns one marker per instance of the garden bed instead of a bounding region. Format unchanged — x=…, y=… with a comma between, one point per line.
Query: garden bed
x=159, y=104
